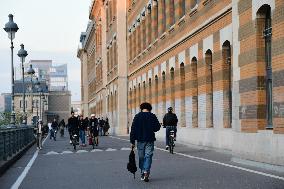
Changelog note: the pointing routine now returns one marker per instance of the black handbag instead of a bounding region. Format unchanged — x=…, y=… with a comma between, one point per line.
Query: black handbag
x=131, y=165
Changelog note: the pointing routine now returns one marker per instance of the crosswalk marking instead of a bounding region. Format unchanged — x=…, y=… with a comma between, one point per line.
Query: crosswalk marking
x=96, y=150
x=110, y=150
x=86, y=151
x=67, y=152
x=81, y=151
x=125, y=149
x=52, y=153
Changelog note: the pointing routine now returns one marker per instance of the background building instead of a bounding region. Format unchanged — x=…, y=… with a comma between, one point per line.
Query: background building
x=217, y=63
x=5, y=102
x=55, y=98
x=104, y=64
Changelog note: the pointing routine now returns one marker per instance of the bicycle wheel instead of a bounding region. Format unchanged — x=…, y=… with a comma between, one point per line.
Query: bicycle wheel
x=93, y=138
x=171, y=146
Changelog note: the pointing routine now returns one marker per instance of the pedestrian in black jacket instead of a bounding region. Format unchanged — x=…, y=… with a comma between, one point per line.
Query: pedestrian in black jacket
x=170, y=121
x=73, y=126
x=54, y=128
x=143, y=129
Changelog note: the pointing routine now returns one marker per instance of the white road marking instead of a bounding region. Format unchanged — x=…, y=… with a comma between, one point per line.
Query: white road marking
x=67, y=152
x=81, y=151
x=110, y=150
x=218, y=163
x=125, y=149
x=96, y=150
x=20, y=179
x=52, y=153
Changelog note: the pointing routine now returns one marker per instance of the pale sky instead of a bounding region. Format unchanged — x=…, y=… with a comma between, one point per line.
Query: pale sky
x=49, y=29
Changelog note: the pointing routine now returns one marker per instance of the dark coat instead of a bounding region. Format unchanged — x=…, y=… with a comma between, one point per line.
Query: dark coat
x=170, y=119
x=144, y=126
x=73, y=124
x=54, y=125
x=93, y=126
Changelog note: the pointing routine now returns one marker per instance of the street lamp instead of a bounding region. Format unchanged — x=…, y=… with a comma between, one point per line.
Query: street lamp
x=22, y=53
x=44, y=103
x=37, y=84
x=11, y=28
x=31, y=72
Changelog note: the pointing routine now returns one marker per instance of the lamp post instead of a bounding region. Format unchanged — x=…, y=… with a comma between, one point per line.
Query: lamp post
x=44, y=103
x=31, y=72
x=11, y=28
x=22, y=53
x=37, y=84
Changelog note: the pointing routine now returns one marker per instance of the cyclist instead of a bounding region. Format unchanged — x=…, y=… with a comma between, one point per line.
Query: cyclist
x=170, y=121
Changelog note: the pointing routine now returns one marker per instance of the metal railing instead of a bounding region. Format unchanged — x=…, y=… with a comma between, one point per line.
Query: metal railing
x=14, y=139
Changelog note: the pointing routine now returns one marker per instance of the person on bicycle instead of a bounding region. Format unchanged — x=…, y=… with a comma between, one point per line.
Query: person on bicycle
x=93, y=128
x=170, y=121
x=54, y=128
x=73, y=126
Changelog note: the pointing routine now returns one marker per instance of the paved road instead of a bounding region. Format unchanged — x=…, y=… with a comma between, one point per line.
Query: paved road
x=57, y=166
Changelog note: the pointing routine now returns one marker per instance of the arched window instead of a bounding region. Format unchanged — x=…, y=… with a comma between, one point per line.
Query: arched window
x=226, y=52
x=264, y=35
x=134, y=99
x=144, y=92
x=139, y=94
x=172, y=86
x=164, y=92
x=182, y=94
x=156, y=91
x=194, y=92
x=209, y=88
x=150, y=91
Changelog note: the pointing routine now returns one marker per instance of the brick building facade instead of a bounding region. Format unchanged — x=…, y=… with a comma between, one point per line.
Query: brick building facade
x=217, y=63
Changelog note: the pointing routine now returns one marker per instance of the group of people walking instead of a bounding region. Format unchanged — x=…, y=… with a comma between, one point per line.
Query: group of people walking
x=76, y=125
x=93, y=126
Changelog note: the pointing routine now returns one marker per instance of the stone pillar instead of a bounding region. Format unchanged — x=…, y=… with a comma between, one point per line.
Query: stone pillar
x=144, y=34
x=178, y=9
x=154, y=16
x=187, y=6
x=134, y=44
x=161, y=17
x=149, y=25
x=170, y=13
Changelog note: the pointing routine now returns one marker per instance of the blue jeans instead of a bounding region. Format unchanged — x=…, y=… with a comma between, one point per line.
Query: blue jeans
x=145, y=153
x=101, y=131
x=82, y=136
x=168, y=129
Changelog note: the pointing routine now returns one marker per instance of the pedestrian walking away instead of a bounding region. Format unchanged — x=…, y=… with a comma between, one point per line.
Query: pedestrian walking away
x=49, y=129
x=106, y=127
x=101, y=126
x=170, y=121
x=73, y=126
x=143, y=129
x=39, y=134
x=93, y=129
x=82, y=129
x=61, y=127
